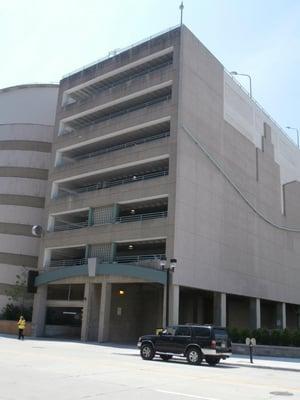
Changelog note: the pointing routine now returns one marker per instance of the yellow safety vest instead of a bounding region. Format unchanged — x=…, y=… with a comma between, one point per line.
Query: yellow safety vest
x=21, y=324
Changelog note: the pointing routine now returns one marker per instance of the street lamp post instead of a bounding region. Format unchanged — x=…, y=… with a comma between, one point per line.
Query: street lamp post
x=168, y=267
x=297, y=130
x=250, y=81
x=181, y=7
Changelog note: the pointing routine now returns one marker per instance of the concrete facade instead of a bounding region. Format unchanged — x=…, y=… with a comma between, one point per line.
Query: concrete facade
x=159, y=153
x=27, y=115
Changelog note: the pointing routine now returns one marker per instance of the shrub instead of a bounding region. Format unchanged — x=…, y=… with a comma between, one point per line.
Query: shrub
x=275, y=337
x=12, y=312
x=286, y=338
x=234, y=335
x=264, y=336
x=295, y=338
x=245, y=333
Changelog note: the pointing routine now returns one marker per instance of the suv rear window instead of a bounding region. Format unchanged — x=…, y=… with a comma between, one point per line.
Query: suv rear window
x=183, y=331
x=220, y=334
x=203, y=332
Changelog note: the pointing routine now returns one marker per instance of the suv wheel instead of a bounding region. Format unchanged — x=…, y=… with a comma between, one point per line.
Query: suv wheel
x=212, y=360
x=147, y=352
x=165, y=357
x=194, y=356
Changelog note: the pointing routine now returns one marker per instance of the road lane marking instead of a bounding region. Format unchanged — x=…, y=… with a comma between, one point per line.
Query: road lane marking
x=194, y=396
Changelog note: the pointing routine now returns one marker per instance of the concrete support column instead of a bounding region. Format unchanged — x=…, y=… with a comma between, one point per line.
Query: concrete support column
x=91, y=217
x=115, y=212
x=85, y=312
x=200, y=307
x=281, y=315
x=113, y=251
x=164, y=306
x=46, y=258
x=104, y=316
x=255, y=314
x=174, y=304
x=220, y=315
x=39, y=311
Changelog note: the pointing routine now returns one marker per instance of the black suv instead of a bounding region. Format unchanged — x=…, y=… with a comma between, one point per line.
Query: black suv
x=195, y=342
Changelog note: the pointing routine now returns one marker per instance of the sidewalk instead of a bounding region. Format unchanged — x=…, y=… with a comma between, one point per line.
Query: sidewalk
x=265, y=362
x=259, y=362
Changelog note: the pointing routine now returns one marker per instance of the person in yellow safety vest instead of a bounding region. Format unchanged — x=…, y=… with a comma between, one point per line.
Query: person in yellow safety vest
x=21, y=326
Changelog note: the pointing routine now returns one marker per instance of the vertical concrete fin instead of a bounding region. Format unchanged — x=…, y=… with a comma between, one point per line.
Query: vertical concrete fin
x=257, y=164
x=291, y=196
x=267, y=145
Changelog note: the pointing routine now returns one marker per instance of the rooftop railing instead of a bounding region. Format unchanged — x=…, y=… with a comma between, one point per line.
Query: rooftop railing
x=115, y=52
x=114, y=148
x=109, y=184
x=282, y=131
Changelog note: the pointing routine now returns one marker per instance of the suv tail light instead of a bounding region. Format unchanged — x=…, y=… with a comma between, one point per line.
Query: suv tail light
x=213, y=344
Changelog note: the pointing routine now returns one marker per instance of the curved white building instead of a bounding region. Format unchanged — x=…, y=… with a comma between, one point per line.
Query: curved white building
x=27, y=116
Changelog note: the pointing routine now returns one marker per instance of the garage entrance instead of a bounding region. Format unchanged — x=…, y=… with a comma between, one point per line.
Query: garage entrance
x=136, y=309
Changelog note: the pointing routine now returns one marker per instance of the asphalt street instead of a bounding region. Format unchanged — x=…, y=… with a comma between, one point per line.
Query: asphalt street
x=61, y=370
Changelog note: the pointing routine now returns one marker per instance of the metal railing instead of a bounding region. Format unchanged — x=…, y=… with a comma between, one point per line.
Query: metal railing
x=145, y=260
x=67, y=263
x=70, y=226
x=114, y=148
x=126, y=218
x=112, y=183
x=115, y=52
x=142, y=217
x=135, y=118
x=116, y=82
x=116, y=114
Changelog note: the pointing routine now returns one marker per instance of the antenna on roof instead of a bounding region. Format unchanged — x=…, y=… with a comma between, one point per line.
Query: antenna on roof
x=181, y=7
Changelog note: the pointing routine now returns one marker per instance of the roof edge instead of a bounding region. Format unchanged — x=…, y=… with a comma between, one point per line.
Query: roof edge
x=28, y=86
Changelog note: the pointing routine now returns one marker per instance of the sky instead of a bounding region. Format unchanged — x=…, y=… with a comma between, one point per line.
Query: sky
x=42, y=40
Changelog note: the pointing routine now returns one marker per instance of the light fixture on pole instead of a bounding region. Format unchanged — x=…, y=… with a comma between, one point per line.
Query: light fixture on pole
x=37, y=230
x=297, y=131
x=168, y=267
x=250, y=80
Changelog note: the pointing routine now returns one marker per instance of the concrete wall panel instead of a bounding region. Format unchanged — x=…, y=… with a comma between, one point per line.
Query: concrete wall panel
x=20, y=215
x=30, y=132
x=23, y=186
x=28, y=104
x=27, y=115
x=18, y=158
x=19, y=245
x=10, y=272
x=220, y=243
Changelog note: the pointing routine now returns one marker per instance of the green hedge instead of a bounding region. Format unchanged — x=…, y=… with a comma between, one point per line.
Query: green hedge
x=273, y=337
x=12, y=312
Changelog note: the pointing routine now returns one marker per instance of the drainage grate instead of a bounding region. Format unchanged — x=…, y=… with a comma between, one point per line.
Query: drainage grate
x=282, y=393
